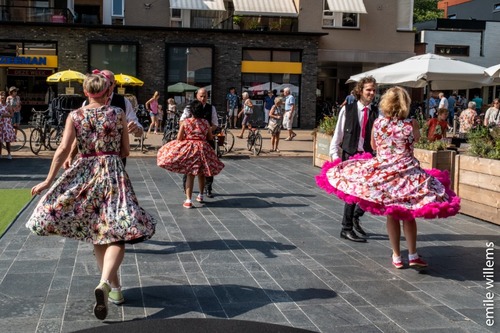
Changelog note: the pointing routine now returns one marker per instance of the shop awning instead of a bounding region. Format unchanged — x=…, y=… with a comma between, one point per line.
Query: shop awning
x=265, y=8
x=347, y=6
x=198, y=4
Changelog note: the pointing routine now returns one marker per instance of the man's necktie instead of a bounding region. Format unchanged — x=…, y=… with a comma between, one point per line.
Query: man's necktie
x=365, y=121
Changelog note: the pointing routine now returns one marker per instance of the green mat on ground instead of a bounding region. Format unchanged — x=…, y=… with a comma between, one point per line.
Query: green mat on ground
x=12, y=201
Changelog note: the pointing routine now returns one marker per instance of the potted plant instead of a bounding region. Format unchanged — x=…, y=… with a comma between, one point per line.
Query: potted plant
x=322, y=137
x=477, y=175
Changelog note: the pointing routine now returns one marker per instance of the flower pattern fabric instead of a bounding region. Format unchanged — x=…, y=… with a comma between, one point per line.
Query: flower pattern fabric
x=392, y=183
x=7, y=132
x=193, y=155
x=466, y=120
x=93, y=200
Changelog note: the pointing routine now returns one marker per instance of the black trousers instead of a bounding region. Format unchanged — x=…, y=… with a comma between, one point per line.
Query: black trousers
x=351, y=211
x=208, y=180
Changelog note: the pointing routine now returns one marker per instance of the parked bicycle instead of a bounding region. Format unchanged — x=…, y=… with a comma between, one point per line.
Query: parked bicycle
x=254, y=139
x=20, y=141
x=39, y=136
x=144, y=120
x=225, y=138
x=57, y=131
x=171, y=128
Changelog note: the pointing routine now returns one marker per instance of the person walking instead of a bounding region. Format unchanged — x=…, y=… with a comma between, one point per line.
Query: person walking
x=232, y=101
x=94, y=201
x=268, y=105
x=352, y=136
x=191, y=154
x=152, y=106
x=289, y=114
x=14, y=101
x=7, y=132
x=246, y=111
x=275, y=123
x=392, y=183
x=210, y=114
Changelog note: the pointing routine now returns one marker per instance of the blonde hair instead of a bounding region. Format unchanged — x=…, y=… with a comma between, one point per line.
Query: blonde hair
x=171, y=101
x=278, y=100
x=395, y=103
x=244, y=95
x=133, y=101
x=95, y=85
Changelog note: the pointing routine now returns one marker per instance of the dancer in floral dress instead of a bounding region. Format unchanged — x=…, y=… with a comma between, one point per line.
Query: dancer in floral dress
x=93, y=201
x=191, y=154
x=7, y=132
x=392, y=183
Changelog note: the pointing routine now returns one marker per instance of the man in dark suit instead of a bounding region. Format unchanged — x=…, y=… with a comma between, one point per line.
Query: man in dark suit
x=352, y=136
x=210, y=114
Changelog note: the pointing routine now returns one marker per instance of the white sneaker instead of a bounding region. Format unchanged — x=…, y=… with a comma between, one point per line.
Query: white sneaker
x=9, y=157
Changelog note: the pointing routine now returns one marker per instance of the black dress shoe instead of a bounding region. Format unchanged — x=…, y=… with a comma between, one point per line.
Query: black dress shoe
x=351, y=235
x=210, y=194
x=357, y=226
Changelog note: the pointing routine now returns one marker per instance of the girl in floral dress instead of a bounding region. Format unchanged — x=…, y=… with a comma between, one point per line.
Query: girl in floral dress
x=93, y=201
x=7, y=132
x=392, y=183
x=191, y=154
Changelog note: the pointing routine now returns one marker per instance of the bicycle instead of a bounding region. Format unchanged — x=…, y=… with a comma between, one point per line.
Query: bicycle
x=20, y=141
x=254, y=139
x=55, y=135
x=223, y=145
x=144, y=120
x=171, y=129
x=40, y=134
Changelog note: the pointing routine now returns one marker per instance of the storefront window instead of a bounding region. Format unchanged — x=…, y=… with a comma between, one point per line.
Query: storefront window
x=117, y=57
x=191, y=65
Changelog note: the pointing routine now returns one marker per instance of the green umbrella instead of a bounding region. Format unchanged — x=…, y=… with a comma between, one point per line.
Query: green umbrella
x=181, y=87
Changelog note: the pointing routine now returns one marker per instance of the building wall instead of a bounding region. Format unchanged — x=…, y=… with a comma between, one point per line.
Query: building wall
x=475, y=9
x=73, y=48
x=137, y=13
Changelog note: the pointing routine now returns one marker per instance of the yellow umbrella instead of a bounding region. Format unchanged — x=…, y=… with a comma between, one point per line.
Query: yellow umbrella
x=127, y=80
x=66, y=76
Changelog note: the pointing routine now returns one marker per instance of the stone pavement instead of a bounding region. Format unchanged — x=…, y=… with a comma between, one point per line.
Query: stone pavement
x=265, y=249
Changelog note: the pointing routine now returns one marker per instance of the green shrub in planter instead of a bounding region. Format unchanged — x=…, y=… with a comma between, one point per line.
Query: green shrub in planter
x=484, y=142
x=327, y=124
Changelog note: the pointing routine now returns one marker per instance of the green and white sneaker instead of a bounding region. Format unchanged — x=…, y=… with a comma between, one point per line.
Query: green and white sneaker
x=116, y=296
x=101, y=300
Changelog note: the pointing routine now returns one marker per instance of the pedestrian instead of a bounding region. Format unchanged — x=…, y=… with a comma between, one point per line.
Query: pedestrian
x=438, y=127
x=432, y=105
x=275, y=123
x=160, y=118
x=268, y=104
x=479, y=103
x=452, y=101
x=492, y=115
x=7, y=132
x=351, y=98
x=94, y=201
x=351, y=136
x=152, y=107
x=246, y=112
x=191, y=154
x=171, y=112
x=209, y=114
x=233, y=102
x=14, y=101
x=467, y=119
x=290, y=112
x=392, y=183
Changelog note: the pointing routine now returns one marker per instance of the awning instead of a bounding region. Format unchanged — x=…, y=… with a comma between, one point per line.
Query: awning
x=265, y=8
x=347, y=6
x=198, y=4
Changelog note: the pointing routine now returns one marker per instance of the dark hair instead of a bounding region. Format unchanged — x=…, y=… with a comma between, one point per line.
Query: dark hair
x=196, y=109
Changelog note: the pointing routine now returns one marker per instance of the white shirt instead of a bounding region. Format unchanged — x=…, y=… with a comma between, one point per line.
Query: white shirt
x=338, y=135
x=187, y=114
x=443, y=103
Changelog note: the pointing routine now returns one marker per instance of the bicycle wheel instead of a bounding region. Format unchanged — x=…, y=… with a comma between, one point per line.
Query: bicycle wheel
x=169, y=136
x=54, y=139
x=20, y=141
x=250, y=140
x=228, y=142
x=36, y=140
x=257, y=145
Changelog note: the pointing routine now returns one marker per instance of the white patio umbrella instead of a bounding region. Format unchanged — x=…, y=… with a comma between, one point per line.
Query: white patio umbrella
x=429, y=69
x=493, y=71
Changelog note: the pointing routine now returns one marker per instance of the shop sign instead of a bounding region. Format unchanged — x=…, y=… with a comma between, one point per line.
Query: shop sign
x=29, y=61
x=29, y=72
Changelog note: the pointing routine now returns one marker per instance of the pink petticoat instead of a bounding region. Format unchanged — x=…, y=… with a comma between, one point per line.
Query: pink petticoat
x=428, y=211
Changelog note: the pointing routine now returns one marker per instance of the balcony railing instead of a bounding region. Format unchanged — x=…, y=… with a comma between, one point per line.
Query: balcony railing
x=35, y=14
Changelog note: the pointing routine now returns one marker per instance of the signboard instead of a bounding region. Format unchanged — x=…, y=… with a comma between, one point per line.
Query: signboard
x=35, y=61
x=29, y=72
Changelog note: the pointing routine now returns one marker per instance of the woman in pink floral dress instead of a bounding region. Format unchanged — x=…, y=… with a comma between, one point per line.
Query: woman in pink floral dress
x=392, y=183
x=7, y=132
x=93, y=200
x=191, y=154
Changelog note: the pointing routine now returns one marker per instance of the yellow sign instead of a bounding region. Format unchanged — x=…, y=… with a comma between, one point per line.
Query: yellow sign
x=278, y=67
x=38, y=61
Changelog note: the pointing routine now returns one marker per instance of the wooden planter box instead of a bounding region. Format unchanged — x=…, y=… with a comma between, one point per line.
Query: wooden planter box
x=441, y=160
x=477, y=183
x=321, y=148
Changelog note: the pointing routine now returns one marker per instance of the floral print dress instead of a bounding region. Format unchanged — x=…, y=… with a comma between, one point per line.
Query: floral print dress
x=7, y=132
x=93, y=201
x=392, y=183
x=193, y=155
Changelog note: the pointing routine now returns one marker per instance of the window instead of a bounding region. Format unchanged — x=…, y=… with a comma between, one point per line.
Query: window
x=452, y=16
x=271, y=55
x=175, y=18
x=118, y=8
x=496, y=7
x=452, y=50
x=117, y=57
x=337, y=19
